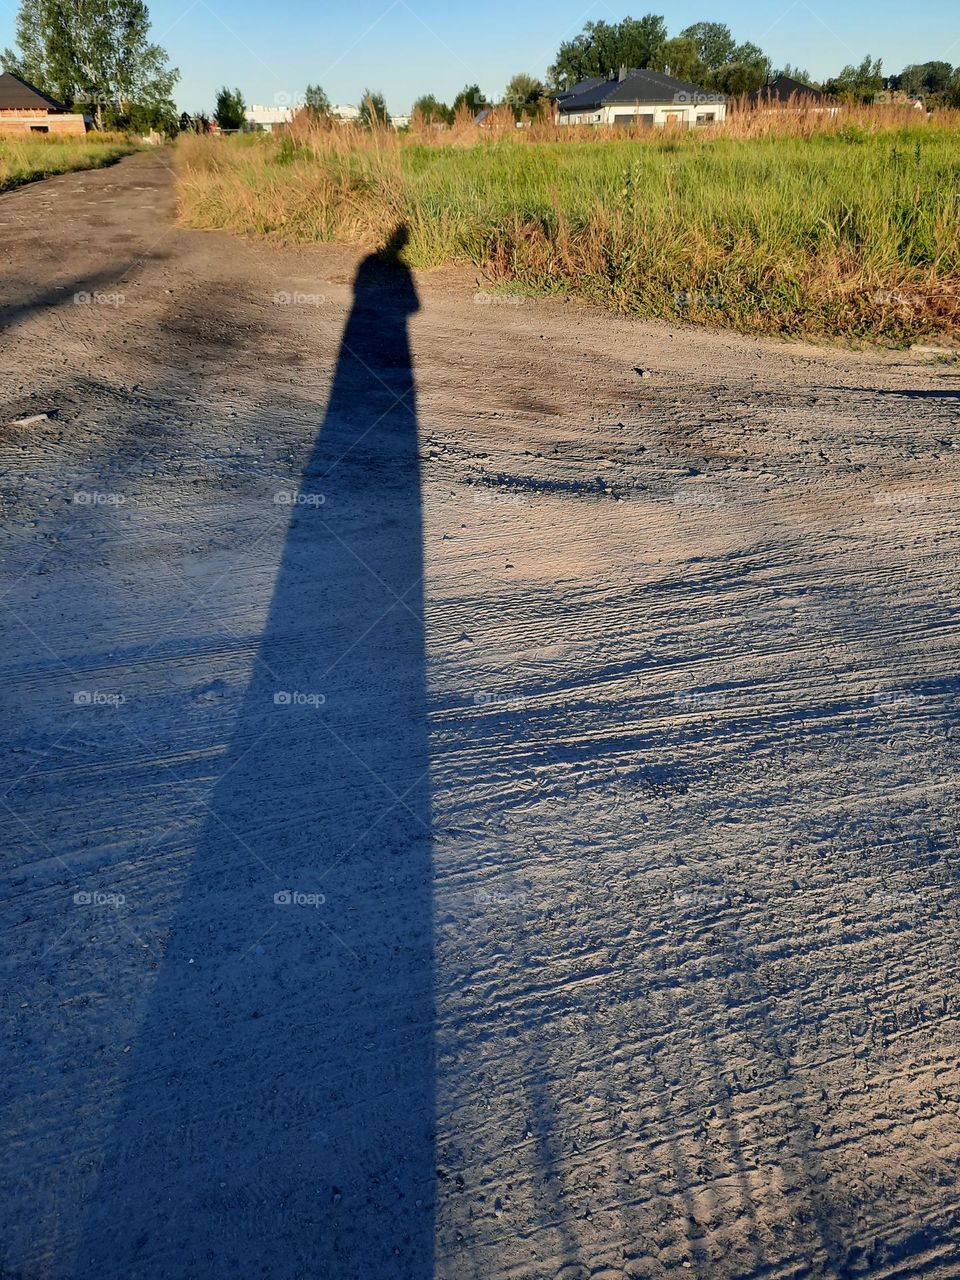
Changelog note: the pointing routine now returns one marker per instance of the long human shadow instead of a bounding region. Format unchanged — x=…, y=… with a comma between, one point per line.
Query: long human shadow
x=278, y=1116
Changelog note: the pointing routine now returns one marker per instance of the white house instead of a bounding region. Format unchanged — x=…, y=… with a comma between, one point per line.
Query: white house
x=639, y=99
x=283, y=111
x=267, y=118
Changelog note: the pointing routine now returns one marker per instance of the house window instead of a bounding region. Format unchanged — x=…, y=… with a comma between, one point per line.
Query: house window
x=707, y=117
x=39, y=128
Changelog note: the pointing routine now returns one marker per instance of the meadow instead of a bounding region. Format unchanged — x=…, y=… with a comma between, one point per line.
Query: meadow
x=844, y=226
x=26, y=158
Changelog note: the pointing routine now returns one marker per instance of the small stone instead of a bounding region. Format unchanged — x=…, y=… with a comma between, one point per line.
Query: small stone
x=33, y=419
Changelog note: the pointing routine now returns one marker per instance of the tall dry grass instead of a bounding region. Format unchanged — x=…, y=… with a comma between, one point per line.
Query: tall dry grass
x=24, y=158
x=802, y=222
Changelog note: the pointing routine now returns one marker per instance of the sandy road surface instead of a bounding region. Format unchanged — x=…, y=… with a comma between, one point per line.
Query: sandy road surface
x=470, y=810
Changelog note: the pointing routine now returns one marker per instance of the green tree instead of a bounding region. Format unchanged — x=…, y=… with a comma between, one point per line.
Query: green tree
x=735, y=78
x=524, y=95
x=95, y=52
x=432, y=111
x=926, y=77
x=748, y=70
x=316, y=101
x=752, y=56
x=231, y=109
x=373, y=109
x=859, y=84
x=602, y=48
x=679, y=57
x=714, y=43
x=471, y=98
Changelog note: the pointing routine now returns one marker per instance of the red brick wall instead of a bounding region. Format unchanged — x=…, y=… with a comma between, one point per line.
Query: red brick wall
x=14, y=121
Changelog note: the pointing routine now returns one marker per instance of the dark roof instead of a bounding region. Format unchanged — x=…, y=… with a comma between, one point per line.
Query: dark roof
x=633, y=86
x=16, y=94
x=783, y=88
x=591, y=82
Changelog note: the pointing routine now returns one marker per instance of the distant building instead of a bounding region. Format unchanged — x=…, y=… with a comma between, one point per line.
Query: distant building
x=24, y=109
x=784, y=93
x=636, y=99
x=268, y=118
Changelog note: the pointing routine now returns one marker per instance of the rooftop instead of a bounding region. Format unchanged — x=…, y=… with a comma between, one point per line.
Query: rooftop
x=17, y=95
x=630, y=86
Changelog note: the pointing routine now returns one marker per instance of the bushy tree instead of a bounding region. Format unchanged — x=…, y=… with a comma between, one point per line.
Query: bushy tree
x=859, y=84
x=604, y=47
x=679, y=57
x=471, y=98
x=231, y=109
x=431, y=111
x=316, y=101
x=524, y=95
x=748, y=71
x=736, y=78
x=373, y=109
x=95, y=52
x=713, y=41
x=925, y=78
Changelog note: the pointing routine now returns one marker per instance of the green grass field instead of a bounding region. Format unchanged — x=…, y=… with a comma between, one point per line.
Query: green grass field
x=25, y=159
x=852, y=232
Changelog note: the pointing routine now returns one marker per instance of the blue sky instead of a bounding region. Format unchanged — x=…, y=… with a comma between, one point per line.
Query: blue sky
x=408, y=47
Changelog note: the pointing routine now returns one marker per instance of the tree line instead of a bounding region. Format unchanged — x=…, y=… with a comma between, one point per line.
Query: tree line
x=97, y=55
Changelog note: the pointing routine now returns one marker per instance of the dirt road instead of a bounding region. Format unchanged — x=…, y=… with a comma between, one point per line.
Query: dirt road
x=479, y=779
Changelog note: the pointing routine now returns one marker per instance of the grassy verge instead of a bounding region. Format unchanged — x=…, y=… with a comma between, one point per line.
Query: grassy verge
x=25, y=159
x=847, y=230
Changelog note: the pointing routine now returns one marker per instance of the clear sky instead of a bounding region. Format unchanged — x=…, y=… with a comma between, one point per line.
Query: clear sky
x=408, y=47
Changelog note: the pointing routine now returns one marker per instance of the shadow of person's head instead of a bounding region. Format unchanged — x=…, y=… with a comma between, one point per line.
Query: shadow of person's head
x=383, y=285
x=396, y=242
